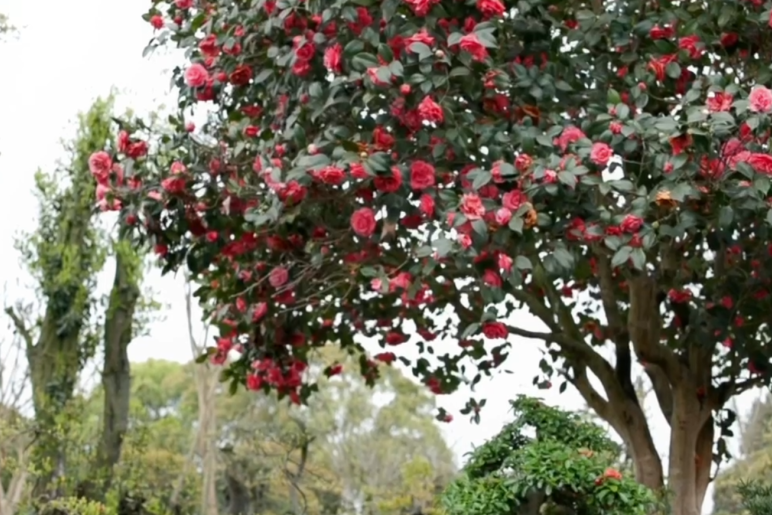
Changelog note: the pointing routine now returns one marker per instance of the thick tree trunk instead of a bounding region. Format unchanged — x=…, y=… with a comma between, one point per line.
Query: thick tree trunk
x=54, y=363
x=682, y=473
x=691, y=451
x=691, y=448
x=116, y=371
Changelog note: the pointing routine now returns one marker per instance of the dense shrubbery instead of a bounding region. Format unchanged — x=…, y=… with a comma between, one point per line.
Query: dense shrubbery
x=566, y=466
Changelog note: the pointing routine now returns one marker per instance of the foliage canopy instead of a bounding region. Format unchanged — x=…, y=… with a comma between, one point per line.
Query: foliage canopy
x=417, y=170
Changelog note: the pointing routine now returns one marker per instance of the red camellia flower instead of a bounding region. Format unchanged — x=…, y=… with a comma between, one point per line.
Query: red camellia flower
x=363, y=222
x=241, y=75
x=430, y=111
x=762, y=163
x=692, y=45
x=333, y=58
x=278, y=277
x=631, y=223
x=422, y=175
x=495, y=330
x=472, y=44
x=720, y=102
x=665, y=32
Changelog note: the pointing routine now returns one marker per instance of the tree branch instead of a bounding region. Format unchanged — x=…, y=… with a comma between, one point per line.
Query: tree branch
x=618, y=329
x=662, y=390
x=724, y=391
x=645, y=324
x=594, y=400
x=21, y=327
x=558, y=307
x=579, y=354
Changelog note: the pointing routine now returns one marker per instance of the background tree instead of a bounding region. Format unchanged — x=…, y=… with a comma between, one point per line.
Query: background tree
x=5, y=26
x=275, y=458
x=753, y=463
x=64, y=256
x=15, y=428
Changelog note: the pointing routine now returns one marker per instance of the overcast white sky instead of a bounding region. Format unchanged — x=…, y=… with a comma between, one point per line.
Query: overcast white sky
x=67, y=54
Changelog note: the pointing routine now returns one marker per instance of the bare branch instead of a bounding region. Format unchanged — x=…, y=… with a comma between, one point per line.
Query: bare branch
x=594, y=400
x=21, y=327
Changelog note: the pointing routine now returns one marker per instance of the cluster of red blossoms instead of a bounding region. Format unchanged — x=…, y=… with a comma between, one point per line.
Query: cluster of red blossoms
x=378, y=165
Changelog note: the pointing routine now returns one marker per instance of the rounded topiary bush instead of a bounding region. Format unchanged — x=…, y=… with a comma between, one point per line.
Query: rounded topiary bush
x=547, y=462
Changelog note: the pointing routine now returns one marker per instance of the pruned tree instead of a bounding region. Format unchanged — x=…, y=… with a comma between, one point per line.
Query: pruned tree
x=546, y=462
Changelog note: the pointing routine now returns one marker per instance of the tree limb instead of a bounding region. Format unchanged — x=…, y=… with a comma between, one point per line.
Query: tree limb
x=645, y=324
x=21, y=327
x=662, y=389
x=619, y=333
x=594, y=400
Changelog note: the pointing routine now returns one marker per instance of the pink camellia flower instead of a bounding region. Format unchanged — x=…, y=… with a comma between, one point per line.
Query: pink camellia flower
x=762, y=163
x=465, y=240
x=196, y=76
x=601, y=154
x=472, y=206
x=333, y=58
x=760, y=100
x=278, y=277
x=261, y=309
x=503, y=216
x=569, y=135
x=505, y=262
x=100, y=164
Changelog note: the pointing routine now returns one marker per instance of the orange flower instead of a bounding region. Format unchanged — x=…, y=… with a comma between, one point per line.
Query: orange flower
x=665, y=199
x=531, y=218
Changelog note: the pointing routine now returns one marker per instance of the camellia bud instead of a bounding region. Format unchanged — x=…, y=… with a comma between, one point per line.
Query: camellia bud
x=312, y=149
x=439, y=54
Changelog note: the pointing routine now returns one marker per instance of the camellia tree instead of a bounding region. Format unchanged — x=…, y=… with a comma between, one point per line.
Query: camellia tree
x=415, y=171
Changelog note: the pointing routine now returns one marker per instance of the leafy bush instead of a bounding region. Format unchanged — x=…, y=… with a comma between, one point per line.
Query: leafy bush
x=566, y=467
x=756, y=497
